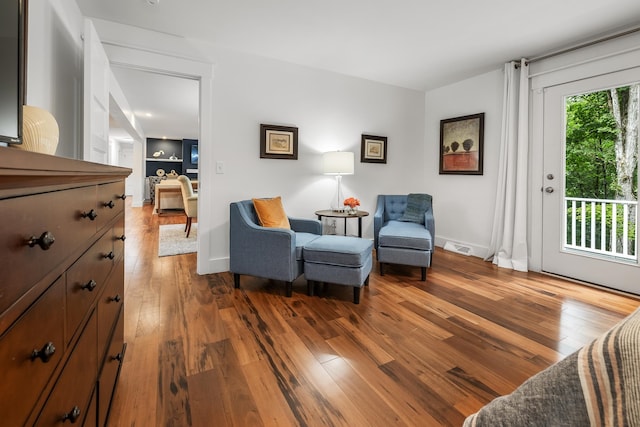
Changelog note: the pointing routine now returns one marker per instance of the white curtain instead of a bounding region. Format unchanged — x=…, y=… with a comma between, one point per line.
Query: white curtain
x=508, y=247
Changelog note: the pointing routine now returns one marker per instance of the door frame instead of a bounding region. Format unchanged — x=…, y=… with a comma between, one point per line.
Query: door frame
x=602, y=58
x=165, y=63
x=584, y=266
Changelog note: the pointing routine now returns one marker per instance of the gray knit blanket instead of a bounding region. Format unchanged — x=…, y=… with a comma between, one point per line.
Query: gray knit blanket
x=598, y=385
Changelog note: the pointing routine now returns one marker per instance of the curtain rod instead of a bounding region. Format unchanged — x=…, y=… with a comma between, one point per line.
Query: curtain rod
x=583, y=45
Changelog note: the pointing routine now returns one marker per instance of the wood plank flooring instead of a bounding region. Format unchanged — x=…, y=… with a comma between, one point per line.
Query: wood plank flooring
x=412, y=353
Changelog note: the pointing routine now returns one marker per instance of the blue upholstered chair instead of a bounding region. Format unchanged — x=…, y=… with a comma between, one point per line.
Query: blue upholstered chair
x=404, y=230
x=272, y=253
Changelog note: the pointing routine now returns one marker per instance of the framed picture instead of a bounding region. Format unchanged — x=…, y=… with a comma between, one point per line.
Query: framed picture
x=461, y=145
x=373, y=149
x=278, y=142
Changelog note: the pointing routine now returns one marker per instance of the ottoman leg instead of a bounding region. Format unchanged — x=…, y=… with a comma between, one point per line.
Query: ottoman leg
x=424, y=273
x=310, y=287
x=289, y=289
x=356, y=294
x=236, y=280
x=382, y=269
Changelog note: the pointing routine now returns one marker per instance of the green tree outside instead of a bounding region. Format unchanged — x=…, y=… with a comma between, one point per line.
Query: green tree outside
x=601, y=149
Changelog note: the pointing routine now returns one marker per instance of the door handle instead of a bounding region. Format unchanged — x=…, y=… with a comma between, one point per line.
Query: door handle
x=549, y=189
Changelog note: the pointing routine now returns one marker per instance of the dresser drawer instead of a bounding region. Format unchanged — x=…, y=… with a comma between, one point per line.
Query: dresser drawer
x=110, y=370
x=58, y=213
x=110, y=202
x=119, y=238
x=86, y=279
x=29, y=353
x=91, y=417
x=109, y=306
x=70, y=397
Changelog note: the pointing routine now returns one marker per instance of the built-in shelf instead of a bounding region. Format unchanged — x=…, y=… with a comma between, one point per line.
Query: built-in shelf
x=153, y=159
x=174, y=155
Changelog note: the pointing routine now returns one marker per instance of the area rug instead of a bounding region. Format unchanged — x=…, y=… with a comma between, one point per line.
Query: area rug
x=173, y=241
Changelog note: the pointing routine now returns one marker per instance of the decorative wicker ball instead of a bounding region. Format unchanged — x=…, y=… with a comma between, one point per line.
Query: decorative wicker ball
x=40, y=131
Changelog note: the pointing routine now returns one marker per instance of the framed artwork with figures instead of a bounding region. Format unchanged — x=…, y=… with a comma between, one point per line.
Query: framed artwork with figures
x=278, y=142
x=461, y=145
x=373, y=149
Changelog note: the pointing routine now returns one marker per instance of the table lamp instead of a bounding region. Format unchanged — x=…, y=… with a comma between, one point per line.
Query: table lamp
x=338, y=163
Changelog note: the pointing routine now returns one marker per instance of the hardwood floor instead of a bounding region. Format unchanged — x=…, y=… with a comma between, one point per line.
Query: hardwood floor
x=412, y=353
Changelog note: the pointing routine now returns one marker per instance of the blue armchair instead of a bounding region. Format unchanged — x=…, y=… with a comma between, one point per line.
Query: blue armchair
x=400, y=241
x=271, y=253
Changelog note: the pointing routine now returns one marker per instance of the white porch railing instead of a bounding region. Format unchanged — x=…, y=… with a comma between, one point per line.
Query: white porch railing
x=606, y=227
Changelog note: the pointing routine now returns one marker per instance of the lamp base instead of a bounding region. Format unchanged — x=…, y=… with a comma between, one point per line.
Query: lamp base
x=337, y=204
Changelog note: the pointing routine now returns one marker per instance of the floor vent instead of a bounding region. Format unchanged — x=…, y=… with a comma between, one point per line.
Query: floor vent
x=458, y=248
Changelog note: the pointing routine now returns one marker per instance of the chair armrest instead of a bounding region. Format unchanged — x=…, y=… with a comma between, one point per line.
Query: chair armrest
x=303, y=225
x=430, y=224
x=260, y=251
x=378, y=220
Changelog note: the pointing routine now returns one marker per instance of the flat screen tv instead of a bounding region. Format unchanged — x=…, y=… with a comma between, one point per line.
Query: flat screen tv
x=12, y=57
x=194, y=154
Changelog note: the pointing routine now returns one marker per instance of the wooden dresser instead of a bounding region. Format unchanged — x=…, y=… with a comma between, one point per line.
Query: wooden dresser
x=61, y=288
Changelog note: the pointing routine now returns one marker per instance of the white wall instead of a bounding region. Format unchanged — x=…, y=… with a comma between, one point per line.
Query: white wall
x=55, y=69
x=331, y=111
x=464, y=204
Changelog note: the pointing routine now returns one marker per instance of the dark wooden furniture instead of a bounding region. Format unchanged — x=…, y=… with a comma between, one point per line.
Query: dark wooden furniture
x=336, y=214
x=61, y=288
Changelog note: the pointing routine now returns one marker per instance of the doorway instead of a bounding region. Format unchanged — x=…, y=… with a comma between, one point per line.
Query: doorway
x=590, y=180
x=166, y=107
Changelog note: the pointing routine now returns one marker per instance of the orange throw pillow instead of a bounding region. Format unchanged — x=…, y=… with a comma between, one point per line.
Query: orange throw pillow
x=271, y=213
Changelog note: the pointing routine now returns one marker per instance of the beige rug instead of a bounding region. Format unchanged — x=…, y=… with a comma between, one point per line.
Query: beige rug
x=173, y=241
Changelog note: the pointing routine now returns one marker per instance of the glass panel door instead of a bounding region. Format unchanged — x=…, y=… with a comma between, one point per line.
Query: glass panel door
x=591, y=180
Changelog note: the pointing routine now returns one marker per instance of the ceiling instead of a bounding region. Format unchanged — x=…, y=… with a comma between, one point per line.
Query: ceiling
x=416, y=44
x=164, y=106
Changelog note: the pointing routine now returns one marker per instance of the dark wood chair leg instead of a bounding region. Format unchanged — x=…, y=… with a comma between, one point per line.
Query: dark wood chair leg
x=366, y=281
x=236, y=280
x=310, y=287
x=356, y=294
x=289, y=289
x=188, y=226
x=424, y=273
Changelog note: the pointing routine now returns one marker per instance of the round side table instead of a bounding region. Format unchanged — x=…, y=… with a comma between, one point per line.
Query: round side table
x=328, y=213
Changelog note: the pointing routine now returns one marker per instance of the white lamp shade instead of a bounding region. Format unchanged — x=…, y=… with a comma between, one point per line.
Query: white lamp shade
x=338, y=163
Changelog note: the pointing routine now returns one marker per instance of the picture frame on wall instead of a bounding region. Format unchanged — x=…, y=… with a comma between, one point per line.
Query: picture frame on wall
x=278, y=142
x=462, y=145
x=373, y=149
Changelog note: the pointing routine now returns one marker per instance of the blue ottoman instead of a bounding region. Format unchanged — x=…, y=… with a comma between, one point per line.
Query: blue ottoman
x=342, y=260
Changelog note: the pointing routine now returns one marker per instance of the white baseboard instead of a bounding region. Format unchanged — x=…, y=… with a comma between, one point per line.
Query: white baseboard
x=214, y=265
x=464, y=248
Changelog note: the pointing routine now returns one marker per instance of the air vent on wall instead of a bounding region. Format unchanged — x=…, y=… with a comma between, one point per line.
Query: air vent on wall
x=458, y=248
